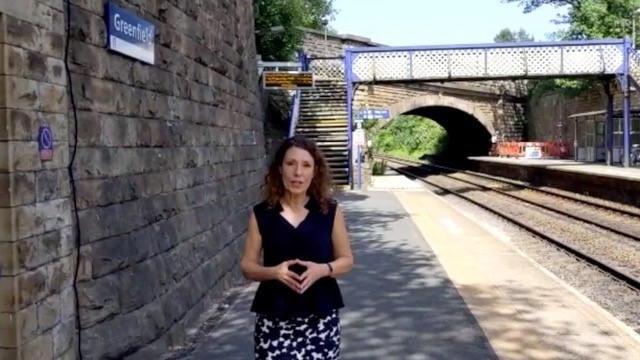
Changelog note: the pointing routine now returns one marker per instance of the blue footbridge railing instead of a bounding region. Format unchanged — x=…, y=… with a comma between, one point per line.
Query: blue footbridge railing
x=612, y=58
x=604, y=58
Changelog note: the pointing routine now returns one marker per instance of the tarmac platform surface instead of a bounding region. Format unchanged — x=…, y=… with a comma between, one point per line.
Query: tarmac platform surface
x=429, y=283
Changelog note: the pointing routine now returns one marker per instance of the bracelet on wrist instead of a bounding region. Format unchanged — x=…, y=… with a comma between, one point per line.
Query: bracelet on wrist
x=330, y=268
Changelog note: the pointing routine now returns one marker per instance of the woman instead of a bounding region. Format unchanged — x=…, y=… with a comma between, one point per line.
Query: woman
x=302, y=234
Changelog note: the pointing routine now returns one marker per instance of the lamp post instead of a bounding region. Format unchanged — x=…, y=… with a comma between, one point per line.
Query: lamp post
x=270, y=30
x=324, y=23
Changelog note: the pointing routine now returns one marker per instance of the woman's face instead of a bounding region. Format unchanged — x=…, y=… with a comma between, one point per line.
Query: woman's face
x=297, y=170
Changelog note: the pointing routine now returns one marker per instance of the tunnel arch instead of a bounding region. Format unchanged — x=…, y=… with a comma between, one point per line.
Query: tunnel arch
x=409, y=106
x=469, y=128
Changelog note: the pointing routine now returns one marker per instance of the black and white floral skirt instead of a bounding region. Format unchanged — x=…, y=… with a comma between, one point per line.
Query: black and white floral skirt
x=307, y=338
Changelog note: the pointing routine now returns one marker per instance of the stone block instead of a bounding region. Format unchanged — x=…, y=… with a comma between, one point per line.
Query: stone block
x=67, y=303
x=138, y=286
x=53, y=44
x=48, y=313
x=38, y=250
x=31, y=287
x=7, y=294
x=112, y=338
x=53, y=98
x=21, y=93
x=40, y=348
x=36, y=65
x=85, y=59
x=53, y=215
x=13, y=60
x=63, y=336
x=17, y=189
x=21, y=33
x=60, y=274
x=8, y=338
x=27, y=323
x=56, y=72
x=69, y=354
x=152, y=321
x=109, y=255
x=49, y=18
x=8, y=354
x=98, y=299
x=19, y=156
x=51, y=185
x=20, y=9
x=119, y=69
x=18, y=223
x=8, y=259
x=56, y=4
x=16, y=124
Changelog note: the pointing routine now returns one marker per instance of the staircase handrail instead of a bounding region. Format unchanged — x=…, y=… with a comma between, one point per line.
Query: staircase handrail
x=295, y=113
x=296, y=98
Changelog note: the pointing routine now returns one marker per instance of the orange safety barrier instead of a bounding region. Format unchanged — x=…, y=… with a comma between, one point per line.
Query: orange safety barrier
x=532, y=150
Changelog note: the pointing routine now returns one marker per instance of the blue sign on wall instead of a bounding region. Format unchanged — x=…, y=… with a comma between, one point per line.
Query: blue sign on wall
x=129, y=34
x=373, y=114
x=45, y=143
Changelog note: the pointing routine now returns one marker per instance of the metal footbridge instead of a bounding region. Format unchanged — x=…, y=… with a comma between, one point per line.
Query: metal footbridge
x=604, y=58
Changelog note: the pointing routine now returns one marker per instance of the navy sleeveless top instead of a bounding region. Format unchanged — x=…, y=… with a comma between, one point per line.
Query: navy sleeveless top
x=310, y=241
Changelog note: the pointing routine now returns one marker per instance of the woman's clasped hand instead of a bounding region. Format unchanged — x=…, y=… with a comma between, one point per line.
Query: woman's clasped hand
x=300, y=282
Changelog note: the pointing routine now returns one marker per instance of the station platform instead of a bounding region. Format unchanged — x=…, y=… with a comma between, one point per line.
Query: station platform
x=429, y=283
x=596, y=169
x=613, y=183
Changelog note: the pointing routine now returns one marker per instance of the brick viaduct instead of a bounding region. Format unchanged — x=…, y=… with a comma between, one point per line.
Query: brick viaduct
x=472, y=111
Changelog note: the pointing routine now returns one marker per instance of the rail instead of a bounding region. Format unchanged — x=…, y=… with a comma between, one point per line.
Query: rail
x=412, y=170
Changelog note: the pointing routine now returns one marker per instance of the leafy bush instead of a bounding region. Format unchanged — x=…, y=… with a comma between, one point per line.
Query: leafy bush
x=410, y=135
x=379, y=167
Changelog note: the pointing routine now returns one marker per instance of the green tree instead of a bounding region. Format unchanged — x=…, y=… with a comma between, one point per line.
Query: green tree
x=584, y=19
x=508, y=35
x=410, y=135
x=589, y=19
x=287, y=15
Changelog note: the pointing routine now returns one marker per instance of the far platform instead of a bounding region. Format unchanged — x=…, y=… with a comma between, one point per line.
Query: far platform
x=568, y=165
x=596, y=169
x=614, y=183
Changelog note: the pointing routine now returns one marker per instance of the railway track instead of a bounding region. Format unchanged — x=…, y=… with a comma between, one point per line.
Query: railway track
x=573, y=223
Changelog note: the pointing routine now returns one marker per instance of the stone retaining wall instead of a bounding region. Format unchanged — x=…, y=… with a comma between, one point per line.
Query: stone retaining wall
x=169, y=161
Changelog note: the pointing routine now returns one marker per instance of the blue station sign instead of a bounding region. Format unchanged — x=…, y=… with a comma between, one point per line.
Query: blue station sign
x=373, y=114
x=129, y=34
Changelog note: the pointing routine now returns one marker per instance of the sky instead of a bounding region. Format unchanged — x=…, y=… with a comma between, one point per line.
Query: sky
x=438, y=22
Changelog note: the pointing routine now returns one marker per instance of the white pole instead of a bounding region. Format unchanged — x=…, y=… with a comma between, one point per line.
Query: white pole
x=326, y=48
x=633, y=31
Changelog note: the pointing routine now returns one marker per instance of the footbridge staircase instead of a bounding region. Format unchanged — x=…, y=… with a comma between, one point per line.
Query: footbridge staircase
x=319, y=113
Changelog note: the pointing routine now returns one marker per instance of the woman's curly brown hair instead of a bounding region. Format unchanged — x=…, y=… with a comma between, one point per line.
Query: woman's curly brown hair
x=321, y=188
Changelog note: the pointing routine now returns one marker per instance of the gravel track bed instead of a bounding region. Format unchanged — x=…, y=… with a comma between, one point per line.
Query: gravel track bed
x=625, y=254
x=616, y=220
x=612, y=295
